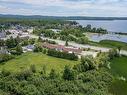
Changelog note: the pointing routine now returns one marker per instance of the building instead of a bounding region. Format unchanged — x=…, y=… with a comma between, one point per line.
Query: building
x=70, y=49
x=3, y=50
x=24, y=36
x=62, y=48
x=2, y=34
x=28, y=48
x=30, y=30
x=55, y=30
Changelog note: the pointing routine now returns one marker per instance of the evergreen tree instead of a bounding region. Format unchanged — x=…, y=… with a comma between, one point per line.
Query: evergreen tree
x=68, y=74
x=66, y=43
x=11, y=42
x=52, y=74
x=19, y=49
x=2, y=43
x=33, y=68
x=39, y=39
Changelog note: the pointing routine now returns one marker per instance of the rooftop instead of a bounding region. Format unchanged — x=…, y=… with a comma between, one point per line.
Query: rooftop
x=62, y=48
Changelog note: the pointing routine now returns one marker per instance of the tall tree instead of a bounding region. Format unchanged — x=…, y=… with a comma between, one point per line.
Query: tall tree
x=19, y=49
x=52, y=74
x=66, y=43
x=68, y=74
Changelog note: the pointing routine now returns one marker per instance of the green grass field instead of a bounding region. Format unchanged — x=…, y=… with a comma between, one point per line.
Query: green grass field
x=25, y=60
x=113, y=44
x=119, y=87
x=110, y=44
x=119, y=68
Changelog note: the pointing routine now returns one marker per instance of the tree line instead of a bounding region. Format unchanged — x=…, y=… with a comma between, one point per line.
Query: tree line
x=59, y=54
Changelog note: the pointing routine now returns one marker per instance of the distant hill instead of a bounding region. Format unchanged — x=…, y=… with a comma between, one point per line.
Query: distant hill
x=62, y=17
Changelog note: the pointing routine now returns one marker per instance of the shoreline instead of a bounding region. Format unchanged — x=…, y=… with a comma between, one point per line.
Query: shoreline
x=108, y=32
x=97, y=37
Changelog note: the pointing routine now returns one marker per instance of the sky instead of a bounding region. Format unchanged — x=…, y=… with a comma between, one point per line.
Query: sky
x=98, y=8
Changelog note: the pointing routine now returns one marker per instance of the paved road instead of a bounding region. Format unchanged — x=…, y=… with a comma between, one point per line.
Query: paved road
x=103, y=49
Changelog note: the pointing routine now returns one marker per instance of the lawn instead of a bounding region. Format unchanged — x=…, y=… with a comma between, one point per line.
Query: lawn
x=25, y=60
x=110, y=44
x=113, y=44
x=119, y=87
x=119, y=68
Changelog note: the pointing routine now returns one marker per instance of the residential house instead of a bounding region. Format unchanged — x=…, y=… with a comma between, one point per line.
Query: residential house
x=3, y=50
x=2, y=35
x=56, y=30
x=28, y=48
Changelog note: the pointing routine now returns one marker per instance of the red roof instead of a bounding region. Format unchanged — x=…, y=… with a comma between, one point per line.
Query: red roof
x=62, y=47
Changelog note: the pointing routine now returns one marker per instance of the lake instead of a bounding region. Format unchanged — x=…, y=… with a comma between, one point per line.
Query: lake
x=111, y=26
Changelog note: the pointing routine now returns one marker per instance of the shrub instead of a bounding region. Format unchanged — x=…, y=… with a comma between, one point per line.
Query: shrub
x=5, y=57
x=55, y=53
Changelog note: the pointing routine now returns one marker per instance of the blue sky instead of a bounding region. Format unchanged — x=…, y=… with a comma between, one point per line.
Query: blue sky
x=65, y=7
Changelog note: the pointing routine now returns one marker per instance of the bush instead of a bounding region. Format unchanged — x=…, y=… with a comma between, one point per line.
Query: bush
x=87, y=63
x=52, y=74
x=33, y=68
x=38, y=49
x=55, y=53
x=68, y=74
x=5, y=57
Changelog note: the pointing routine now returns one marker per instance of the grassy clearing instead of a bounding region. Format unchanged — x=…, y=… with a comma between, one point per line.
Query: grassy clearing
x=25, y=60
x=119, y=87
x=119, y=66
x=113, y=44
x=110, y=44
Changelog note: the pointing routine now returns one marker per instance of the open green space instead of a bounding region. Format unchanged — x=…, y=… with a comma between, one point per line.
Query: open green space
x=119, y=66
x=110, y=44
x=39, y=60
x=113, y=44
x=119, y=87
x=119, y=69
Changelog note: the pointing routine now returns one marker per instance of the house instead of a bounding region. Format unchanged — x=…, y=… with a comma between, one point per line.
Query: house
x=13, y=31
x=55, y=30
x=24, y=36
x=28, y=48
x=3, y=50
x=2, y=34
x=30, y=30
x=73, y=50
x=70, y=49
x=62, y=48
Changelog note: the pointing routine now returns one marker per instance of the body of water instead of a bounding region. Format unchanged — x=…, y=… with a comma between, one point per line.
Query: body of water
x=111, y=26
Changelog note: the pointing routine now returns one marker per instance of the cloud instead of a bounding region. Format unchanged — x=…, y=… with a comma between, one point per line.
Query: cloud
x=65, y=7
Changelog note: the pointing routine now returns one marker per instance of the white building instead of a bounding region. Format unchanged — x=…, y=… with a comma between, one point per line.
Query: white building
x=30, y=30
x=28, y=48
x=55, y=30
x=2, y=34
x=3, y=50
